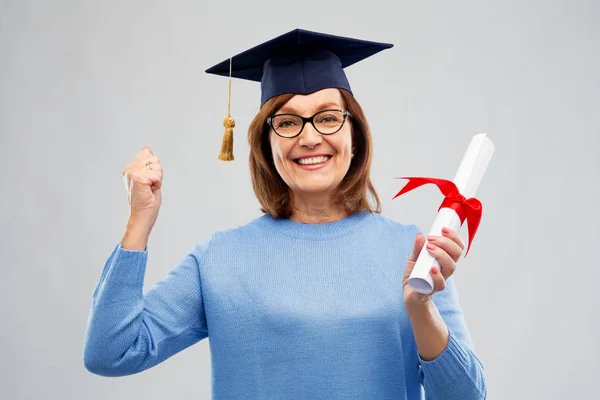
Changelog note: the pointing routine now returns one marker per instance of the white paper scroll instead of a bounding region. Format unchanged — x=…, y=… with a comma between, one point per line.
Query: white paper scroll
x=467, y=179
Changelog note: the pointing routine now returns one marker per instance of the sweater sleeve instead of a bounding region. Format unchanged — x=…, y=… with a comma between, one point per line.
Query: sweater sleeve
x=456, y=373
x=129, y=332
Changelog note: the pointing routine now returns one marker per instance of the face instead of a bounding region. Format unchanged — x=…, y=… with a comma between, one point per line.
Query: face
x=312, y=163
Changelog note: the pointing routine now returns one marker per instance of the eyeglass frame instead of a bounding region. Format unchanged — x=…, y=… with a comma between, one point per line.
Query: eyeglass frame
x=311, y=119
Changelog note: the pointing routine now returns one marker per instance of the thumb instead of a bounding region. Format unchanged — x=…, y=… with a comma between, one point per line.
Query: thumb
x=419, y=242
x=412, y=258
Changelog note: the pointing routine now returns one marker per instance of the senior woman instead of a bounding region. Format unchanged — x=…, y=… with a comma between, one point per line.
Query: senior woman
x=309, y=300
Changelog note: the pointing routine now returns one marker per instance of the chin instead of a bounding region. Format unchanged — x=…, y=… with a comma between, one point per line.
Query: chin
x=316, y=187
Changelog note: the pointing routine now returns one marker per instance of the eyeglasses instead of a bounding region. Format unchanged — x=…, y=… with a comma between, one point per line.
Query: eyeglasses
x=325, y=122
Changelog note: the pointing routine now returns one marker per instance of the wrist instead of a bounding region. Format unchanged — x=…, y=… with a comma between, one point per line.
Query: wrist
x=419, y=310
x=140, y=222
x=136, y=234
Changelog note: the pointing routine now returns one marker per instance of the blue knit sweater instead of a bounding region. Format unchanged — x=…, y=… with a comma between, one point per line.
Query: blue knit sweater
x=291, y=311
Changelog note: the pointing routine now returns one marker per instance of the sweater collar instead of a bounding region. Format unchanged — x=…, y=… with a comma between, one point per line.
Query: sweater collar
x=317, y=231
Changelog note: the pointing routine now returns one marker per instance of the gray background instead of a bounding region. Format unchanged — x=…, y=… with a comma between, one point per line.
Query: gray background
x=85, y=85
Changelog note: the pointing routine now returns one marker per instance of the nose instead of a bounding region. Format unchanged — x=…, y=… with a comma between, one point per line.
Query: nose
x=309, y=137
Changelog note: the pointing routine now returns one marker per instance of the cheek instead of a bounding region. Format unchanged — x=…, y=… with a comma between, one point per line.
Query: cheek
x=345, y=145
x=277, y=153
x=278, y=149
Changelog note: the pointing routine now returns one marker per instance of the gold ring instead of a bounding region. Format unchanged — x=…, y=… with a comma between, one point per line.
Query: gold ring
x=148, y=165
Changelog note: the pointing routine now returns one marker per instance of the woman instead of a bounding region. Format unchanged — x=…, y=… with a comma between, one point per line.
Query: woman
x=310, y=300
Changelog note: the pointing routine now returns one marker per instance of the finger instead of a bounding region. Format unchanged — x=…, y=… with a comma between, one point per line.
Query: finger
x=418, y=245
x=144, y=154
x=156, y=177
x=156, y=167
x=452, y=235
x=447, y=244
x=439, y=283
x=153, y=160
x=152, y=178
x=447, y=264
x=147, y=151
x=144, y=177
x=151, y=157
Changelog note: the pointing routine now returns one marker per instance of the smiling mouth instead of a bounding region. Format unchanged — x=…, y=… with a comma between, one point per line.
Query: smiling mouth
x=312, y=160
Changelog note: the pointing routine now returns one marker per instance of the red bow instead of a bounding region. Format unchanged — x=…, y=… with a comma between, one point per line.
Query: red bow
x=466, y=209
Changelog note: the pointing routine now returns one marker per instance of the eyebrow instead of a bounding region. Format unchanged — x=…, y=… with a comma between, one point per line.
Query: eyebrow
x=319, y=108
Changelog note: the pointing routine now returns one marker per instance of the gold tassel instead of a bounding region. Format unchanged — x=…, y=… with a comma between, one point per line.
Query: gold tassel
x=226, y=153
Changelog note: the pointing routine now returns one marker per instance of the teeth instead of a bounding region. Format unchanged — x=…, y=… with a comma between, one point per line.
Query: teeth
x=313, y=160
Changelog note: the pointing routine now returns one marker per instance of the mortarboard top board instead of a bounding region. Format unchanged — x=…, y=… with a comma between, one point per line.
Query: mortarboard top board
x=299, y=62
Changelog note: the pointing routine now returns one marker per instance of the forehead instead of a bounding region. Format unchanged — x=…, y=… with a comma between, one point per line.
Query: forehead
x=311, y=102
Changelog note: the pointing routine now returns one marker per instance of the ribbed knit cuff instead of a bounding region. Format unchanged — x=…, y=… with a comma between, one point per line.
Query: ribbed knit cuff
x=128, y=267
x=449, y=367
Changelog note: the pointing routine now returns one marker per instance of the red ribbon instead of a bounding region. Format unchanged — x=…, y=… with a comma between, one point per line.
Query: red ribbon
x=466, y=209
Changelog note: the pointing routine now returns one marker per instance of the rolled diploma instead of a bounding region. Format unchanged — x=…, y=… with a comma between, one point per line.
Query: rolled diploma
x=467, y=179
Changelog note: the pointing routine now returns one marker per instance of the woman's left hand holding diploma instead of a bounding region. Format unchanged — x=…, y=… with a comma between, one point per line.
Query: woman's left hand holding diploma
x=429, y=329
x=446, y=249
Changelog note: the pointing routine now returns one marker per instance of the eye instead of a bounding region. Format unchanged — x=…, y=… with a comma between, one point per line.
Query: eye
x=286, y=123
x=329, y=118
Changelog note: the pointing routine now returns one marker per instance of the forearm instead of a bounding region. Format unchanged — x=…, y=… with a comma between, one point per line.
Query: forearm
x=429, y=329
x=113, y=346
x=450, y=368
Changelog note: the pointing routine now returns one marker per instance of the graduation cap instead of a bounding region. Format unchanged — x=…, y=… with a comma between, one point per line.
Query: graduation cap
x=299, y=62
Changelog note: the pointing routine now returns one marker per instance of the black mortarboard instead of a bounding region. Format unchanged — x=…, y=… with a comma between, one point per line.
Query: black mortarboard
x=300, y=62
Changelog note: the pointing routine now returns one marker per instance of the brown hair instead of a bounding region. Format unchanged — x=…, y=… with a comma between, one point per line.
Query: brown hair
x=273, y=193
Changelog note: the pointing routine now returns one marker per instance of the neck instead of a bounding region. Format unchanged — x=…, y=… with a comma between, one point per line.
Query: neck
x=315, y=209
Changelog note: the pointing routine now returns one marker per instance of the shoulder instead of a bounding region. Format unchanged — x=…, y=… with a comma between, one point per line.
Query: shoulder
x=393, y=227
x=226, y=238
x=388, y=238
